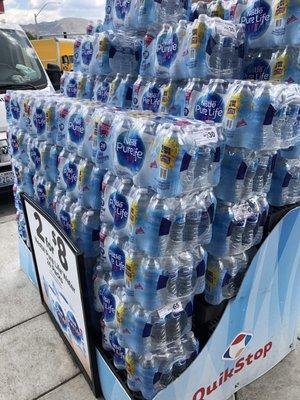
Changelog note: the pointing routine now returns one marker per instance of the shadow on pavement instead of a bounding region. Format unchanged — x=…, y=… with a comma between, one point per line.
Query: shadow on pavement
x=7, y=208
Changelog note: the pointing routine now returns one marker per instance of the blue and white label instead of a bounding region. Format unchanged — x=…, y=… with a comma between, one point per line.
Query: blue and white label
x=15, y=109
x=65, y=220
x=41, y=194
x=130, y=151
x=109, y=305
x=151, y=99
x=70, y=174
x=118, y=207
x=87, y=52
x=102, y=92
x=209, y=108
x=122, y=7
x=76, y=128
x=72, y=88
x=39, y=120
x=35, y=157
x=257, y=19
x=117, y=260
x=166, y=49
x=258, y=69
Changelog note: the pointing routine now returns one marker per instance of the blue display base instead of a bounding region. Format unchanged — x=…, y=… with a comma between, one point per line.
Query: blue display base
x=256, y=331
x=26, y=262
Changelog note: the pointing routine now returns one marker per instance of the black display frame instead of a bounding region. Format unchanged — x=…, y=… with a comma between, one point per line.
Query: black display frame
x=94, y=381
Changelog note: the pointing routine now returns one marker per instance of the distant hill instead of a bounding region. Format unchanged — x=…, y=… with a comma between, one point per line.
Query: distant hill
x=69, y=25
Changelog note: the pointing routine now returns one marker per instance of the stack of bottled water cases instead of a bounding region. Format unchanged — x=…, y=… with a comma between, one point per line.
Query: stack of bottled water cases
x=155, y=221
x=167, y=56
x=272, y=35
x=143, y=184
x=258, y=120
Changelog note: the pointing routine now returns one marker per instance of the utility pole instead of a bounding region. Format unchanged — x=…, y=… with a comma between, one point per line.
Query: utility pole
x=38, y=13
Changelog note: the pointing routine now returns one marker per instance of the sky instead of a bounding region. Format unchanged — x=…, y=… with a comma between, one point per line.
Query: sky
x=22, y=11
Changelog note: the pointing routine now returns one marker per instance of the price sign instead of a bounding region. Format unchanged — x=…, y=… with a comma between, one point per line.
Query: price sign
x=60, y=272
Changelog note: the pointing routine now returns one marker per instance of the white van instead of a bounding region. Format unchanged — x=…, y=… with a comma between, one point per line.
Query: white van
x=20, y=69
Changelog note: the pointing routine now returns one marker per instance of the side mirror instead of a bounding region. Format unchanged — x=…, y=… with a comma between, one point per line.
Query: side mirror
x=54, y=74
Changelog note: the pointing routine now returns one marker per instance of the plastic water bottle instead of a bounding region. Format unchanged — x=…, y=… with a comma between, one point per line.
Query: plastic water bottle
x=123, y=94
x=99, y=26
x=263, y=216
x=252, y=225
x=200, y=265
x=89, y=234
x=39, y=119
x=39, y=185
x=69, y=175
x=178, y=69
x=102, y=88
x=192, y=92
x=176, y=237
x=133, y=257
x=105, y=240
x=99, y=284
x=139, y=87
x=151, y=97
x=72, y=89
x=147, y=133
x=221, y=233
x=224, y=276
x=90, y=28
x=238, y=171
x=158, y=225
x=146, y=287
x=76, y=213
x=285, y=180
x=292, y=31
x=108, y=20
x=112, y=98
x=62, y=118
x=77, y=54
x=83, y=184
x=118, y=205
x=102, y=138
x=172, y=176
x=118, y=351
x=63, y=82
x=62, y=159
x=148, y=371
x=210, y=106
x=34, y=154
x=116, y=256
x=264, y=171
x=237, y=117
x=84, y=124
x=185, y=275
x=166, y=51
x=108, y=193
x=50, y=194
x=222, y=56
x=133, y=362
x=65, y=215
x=87, y=48
x=139, y=199
x=262, y=114
x=76, y=126
x=200, y=33
x=56, y=201
x=147, y=67
x=99, y=64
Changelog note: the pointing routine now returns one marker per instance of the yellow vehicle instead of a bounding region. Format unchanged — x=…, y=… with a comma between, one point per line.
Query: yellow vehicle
x=55, y=51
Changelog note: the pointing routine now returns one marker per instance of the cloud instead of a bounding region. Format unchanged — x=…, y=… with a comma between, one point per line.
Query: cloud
x=22, y=11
